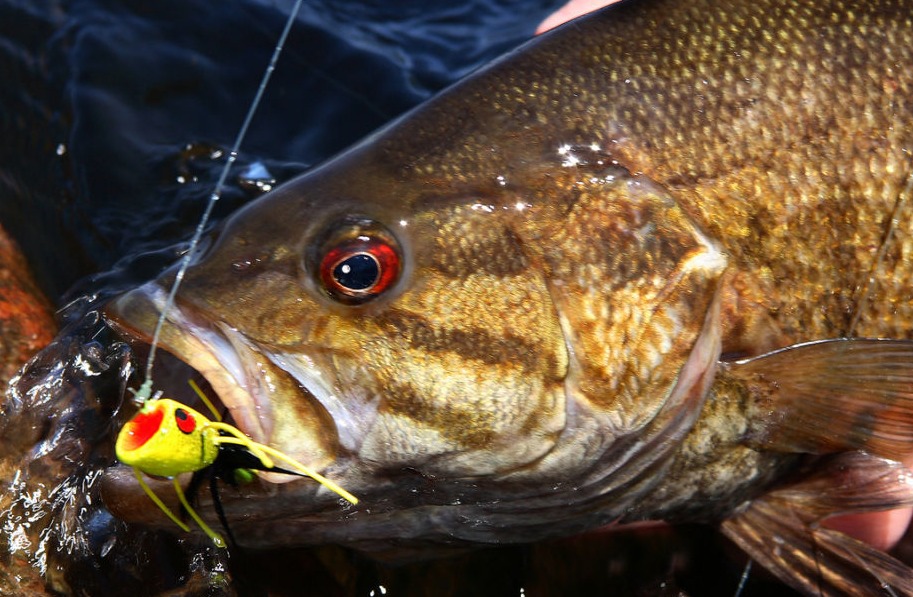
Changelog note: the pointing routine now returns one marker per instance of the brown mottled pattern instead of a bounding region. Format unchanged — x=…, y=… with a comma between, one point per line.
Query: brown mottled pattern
x=616, y=263
x=475, y=343
x=464, y=247
x=783, y=127
x=460, y=422
x=571, y=219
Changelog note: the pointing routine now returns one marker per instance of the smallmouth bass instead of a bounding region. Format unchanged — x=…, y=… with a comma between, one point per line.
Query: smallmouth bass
x=631, y=271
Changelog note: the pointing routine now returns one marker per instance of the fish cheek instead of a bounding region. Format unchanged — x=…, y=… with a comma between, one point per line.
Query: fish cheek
x=458, y=400
x=469, y=360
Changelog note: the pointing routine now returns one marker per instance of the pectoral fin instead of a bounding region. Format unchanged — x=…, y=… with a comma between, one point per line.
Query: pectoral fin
x=781, y=529
x=830, y=396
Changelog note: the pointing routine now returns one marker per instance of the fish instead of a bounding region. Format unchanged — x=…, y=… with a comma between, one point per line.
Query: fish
x=653, y=265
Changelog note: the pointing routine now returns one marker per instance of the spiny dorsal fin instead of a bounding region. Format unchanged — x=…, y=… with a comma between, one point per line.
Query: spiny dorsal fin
x=781, y=530
x=831, y=396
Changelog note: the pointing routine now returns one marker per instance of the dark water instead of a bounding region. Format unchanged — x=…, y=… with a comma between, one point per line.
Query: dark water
x=112, y=93
x=114, y=117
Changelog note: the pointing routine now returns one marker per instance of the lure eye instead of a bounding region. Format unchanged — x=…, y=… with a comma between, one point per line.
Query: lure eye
x=359, y=263
x=184, y=421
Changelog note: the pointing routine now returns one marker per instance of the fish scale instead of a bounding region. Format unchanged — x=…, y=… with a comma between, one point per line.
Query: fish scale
x=651, y=265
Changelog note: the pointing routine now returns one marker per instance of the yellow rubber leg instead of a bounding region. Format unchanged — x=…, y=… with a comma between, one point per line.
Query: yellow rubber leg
x=157, y=501
x=263, y=453
x=216, y=538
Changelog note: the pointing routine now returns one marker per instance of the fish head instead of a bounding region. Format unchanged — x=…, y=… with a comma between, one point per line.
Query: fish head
x=496, y=316
x=329, y=324
x=366, y=332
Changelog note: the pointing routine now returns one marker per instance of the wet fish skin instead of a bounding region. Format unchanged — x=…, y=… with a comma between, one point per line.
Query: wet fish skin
x=586, y=227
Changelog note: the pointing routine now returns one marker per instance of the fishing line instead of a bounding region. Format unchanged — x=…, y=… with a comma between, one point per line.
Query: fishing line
x=145, y=390
x=743, y=580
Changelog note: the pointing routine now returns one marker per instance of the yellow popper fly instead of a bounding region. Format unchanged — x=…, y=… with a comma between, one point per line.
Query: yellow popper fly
x=167, y=438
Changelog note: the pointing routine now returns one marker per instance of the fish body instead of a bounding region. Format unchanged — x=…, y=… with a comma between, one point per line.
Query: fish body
x=616, y=275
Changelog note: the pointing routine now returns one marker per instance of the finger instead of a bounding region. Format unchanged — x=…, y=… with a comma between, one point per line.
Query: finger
x=571, y=10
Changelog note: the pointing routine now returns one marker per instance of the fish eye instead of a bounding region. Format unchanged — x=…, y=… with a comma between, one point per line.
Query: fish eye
x=359, y=262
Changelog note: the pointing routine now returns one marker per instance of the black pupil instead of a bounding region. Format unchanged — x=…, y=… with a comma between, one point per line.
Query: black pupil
x=358, y=272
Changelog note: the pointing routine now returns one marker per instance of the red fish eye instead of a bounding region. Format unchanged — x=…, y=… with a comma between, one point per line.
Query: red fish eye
x=359, y=269
x=184, y=420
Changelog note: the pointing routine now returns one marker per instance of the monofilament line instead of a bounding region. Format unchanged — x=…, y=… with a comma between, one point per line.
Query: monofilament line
x=145, y=390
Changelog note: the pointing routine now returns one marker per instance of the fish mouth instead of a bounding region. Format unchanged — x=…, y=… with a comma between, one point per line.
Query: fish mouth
x=266, y=402
x=206, y=349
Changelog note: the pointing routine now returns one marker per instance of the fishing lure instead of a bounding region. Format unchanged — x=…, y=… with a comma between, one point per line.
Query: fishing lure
x=167, y=438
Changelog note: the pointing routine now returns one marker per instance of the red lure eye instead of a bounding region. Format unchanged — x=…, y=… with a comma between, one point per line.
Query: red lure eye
x=185, y=421
x=360, y=268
